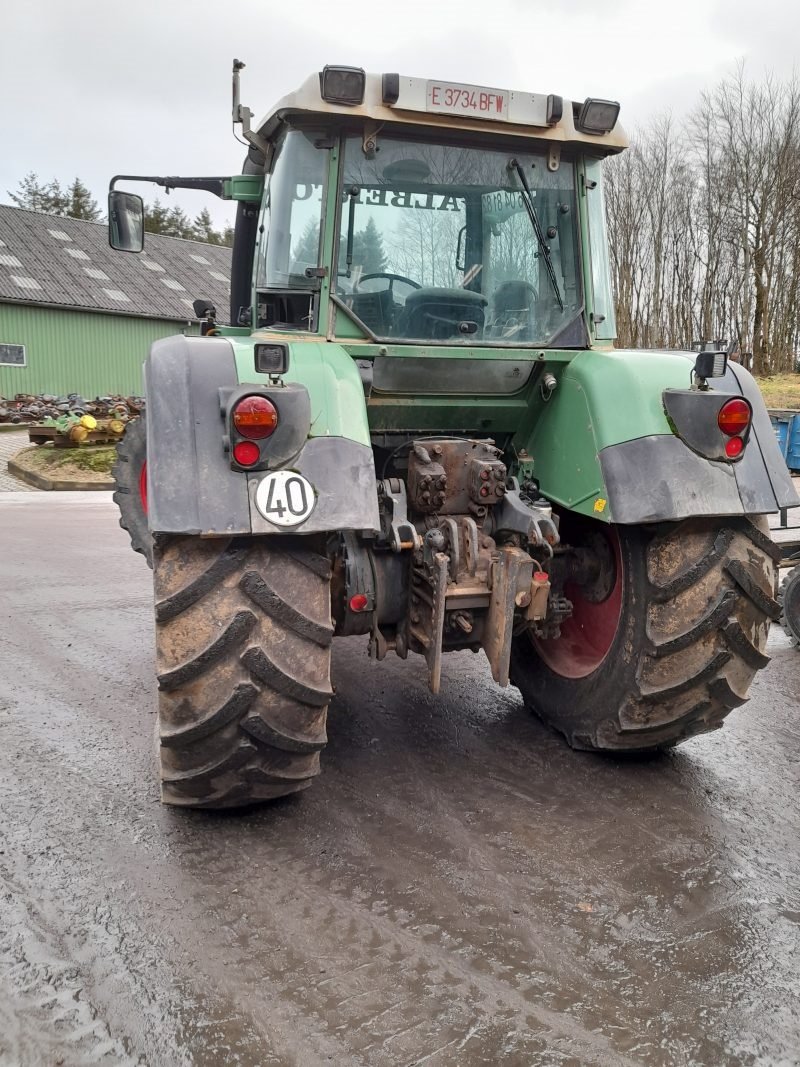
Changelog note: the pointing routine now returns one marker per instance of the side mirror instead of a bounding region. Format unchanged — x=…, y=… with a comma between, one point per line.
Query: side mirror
x=125, y=221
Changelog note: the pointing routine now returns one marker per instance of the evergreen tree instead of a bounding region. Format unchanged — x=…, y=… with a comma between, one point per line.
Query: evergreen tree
x=30, y=193
x=368, y=250
x=306, y=250
x=203, y=228
x=178, y=224
x=155, y=217
x=170, y=222
x=34, y=195
x=81, y=203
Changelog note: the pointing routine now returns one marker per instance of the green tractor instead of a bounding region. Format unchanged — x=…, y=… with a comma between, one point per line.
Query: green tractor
x=418, y=429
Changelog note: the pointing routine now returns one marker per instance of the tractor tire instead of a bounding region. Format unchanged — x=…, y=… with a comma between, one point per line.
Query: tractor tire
x=789, y=600
x=670, y=650
x=243, y=636
x=130, y=495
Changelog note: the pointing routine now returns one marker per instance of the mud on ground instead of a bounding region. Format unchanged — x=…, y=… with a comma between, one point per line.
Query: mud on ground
x=457, y=888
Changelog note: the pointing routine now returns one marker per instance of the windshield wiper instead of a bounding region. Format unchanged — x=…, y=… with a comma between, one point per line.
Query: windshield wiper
x=353, y=192
x=544, y=248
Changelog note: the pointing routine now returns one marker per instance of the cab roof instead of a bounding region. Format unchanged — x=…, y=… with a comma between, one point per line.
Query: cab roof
x=523, y=114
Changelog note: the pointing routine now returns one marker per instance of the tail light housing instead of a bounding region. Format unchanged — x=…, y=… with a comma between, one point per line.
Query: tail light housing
x=255, y=417
x=716, y=425
x=264, y=426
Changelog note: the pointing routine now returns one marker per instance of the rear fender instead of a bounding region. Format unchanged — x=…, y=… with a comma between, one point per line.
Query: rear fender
x=604, y=446
x=191, y=486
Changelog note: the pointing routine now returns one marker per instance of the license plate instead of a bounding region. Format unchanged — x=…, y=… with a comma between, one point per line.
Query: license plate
x=452, y=98
x=285, y=498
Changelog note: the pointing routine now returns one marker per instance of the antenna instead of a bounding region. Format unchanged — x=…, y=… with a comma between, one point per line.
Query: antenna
x=242, y=114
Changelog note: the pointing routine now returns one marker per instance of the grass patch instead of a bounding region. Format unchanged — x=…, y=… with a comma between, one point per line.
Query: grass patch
x=781, y=390
x=88, y=464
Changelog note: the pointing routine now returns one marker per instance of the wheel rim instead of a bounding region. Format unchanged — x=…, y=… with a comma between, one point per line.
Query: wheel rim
x=143, y=486
x=588, y=634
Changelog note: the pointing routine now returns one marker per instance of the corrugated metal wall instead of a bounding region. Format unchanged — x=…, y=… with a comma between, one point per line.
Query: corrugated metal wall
x=77, y=351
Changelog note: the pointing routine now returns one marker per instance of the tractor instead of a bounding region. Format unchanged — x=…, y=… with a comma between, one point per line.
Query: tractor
x=416, y=428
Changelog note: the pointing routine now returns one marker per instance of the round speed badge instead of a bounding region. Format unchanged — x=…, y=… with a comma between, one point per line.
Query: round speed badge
x=285, y=498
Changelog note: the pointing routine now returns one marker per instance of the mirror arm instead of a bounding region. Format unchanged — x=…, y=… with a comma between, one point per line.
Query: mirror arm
x=210, y=185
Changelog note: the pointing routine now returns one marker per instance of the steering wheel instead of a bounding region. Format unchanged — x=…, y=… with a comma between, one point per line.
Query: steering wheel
x=391, y=278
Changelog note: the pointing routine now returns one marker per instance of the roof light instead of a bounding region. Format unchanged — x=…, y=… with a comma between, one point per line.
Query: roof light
x=255, y=417
x=272, y=359
x=711, y=364
x=598, y=116
x=342, y=85
x=555, y=109
x=390, y=88
x=734, y=417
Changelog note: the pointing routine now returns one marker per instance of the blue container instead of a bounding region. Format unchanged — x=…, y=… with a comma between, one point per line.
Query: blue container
x=786, y=425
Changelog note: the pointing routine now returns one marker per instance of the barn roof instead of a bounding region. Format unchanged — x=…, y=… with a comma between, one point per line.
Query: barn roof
x=48, y=259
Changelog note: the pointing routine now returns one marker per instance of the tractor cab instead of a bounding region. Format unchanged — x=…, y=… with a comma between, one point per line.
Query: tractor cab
x=426, y=212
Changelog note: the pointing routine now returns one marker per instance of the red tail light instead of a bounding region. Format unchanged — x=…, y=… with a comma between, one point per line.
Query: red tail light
x=734, y=418
x=255, y=417
x=246, y=453
x=734, y=447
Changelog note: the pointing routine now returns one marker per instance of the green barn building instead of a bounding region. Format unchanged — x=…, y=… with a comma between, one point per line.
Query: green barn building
x=75, y=316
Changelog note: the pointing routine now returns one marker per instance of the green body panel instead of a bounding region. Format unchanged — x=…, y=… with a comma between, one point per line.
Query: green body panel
x=603, y=398
x=329, y=374
x=247, y=187
x=78, y=351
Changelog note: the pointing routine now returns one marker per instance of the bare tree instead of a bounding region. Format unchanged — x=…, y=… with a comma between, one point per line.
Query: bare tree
x=704, y=225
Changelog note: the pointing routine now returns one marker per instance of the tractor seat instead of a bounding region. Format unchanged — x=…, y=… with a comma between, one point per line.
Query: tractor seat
x=437, y=313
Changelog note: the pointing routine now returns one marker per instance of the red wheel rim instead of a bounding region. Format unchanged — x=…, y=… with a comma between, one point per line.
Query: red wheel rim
x=143, y=486
x=588, y=634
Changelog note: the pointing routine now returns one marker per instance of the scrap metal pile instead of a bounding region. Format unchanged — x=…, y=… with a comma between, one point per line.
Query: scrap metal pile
x=71, y=419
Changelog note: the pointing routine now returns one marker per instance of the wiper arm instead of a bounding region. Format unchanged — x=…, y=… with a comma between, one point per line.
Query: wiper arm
x=544, y=248
x=353, y=192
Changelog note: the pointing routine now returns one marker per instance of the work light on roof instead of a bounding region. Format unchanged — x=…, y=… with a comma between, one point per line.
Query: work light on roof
x=342, y=85
x=597, y=116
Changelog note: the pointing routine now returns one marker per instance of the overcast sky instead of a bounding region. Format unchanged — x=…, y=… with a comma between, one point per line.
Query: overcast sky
x=97, y=88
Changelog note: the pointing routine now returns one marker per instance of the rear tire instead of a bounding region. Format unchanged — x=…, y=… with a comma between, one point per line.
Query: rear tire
x=243, y=635
x=695, y=605
x=130, y=495
x=789, y=600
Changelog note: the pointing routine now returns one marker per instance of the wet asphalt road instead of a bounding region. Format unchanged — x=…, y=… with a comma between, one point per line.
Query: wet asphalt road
x=457, y=888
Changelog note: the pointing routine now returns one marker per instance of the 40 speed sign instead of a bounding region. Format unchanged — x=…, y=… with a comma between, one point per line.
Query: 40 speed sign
x=285, y=498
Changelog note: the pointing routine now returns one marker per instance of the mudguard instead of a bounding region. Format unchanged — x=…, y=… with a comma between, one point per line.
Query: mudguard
x=191, y=486
x=604, y=446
